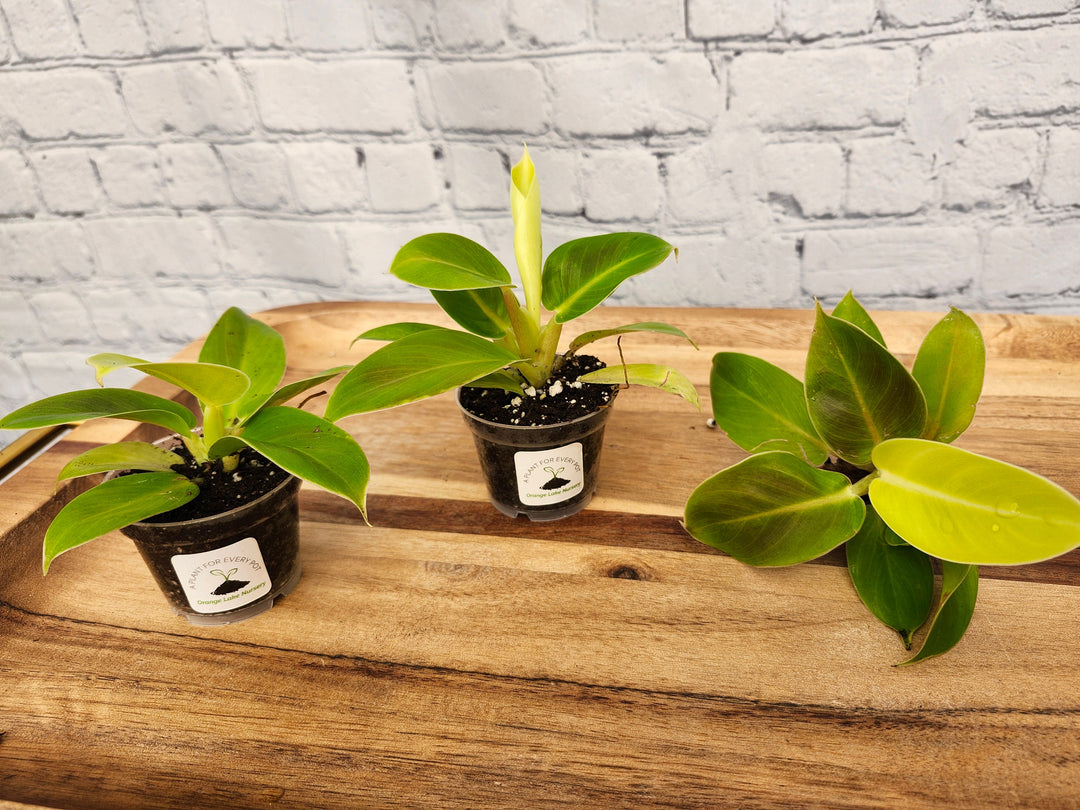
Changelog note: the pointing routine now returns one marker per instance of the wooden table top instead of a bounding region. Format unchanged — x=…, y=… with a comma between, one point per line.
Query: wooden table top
x=450, y=656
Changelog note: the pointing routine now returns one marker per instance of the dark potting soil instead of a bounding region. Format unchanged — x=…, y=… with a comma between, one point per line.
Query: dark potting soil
x=220, y=491
x=562, y=399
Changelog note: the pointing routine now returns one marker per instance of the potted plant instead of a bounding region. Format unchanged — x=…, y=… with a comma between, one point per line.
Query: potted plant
x=859, y=455
x=213, y=508
x=537, y=415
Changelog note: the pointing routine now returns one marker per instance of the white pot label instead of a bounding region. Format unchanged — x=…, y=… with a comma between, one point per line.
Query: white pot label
x=225, y=578
x=549, y=476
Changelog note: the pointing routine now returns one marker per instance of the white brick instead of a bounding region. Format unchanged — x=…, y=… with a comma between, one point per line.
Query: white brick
x=42, y=29
x=258, y=174
x=299, y=252
x=719, y=19
x=890, y=261
x=478, y=178
x=21, y=326
x=328, y=25
x=18, y=194
x=131, y=175
x=549, y=22
x=110, y=27
x=909, y=13
x=622, y=20
x=1030, y=8
x=5, y=46
x=811, y=175
x=668, y=94
x=113, y=323
x=62, y=314
x=560, y=174
x=326, y=176
x=489, y=97
x=813, y=19
x=59, y=371
x=58, y=103
x=194, y=176
x=1009, y=72
x=402, y=177
x=67, y=180
x=1061, y=183
x=403, y=23
x=621, y=185
x=988, y=165
x=176, y=315
x=16, y=392
x=371, y=95
x=717, y=181
x=247, y=23
x=193, y=98
x=850, y=87
x=887, y=176
x=1033, y=260
x=174, y=25
x=146, y=248
x=45, y=252
x=466, y=24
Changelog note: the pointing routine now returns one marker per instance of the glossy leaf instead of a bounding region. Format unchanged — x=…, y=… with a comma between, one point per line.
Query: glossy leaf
x=112, y=505
x=850, y=310
x=120, y=456
x=895, y=582
x=446, y=261
x=241, y=342
x=482, y=312
x=656, y=327
x=580, y=274
x=761, y=407
x=528, y=248
x=209, y=382
x=774, y=509
x=415, y=367
x=858, y=394
x=949, y=369
x=648, y=374
x=966, y=508
x=96, y=403
x=287, y=392
x=311, y=448
x=394, y=331
x=956, y=606
x=498, y=379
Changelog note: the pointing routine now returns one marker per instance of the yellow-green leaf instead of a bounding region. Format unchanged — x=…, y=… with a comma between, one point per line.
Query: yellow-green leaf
x=528, y=249
x=849, y=309
x=243, y=343
x=447, y=261
x=650, y=374
x=949, y=369
x=120, y=456
x=966, y=508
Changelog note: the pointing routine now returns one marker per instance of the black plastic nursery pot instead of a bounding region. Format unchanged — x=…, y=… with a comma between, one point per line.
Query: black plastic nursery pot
x=543, y=472
x=227, y=567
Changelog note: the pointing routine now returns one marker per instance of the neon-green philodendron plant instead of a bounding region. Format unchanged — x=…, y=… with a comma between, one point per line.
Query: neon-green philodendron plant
x=507, y=344
x=908, y=497
x=236, y=382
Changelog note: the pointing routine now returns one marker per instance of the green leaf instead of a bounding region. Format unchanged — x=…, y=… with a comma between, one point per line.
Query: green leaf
x=311, y=448
x=895, y=582
x=762, y=407
x=949, y=369
x=393, y=331
x=774, y=509
x=858, y=394
x=112, y=505
x=959, y=590
x=211, y=383
x=966, y=508
x=482, y=312
x=650, y=374
x=108, y=361
x=287, y=392
x=414, y=367
x=241, y=342
x=498, y=379
x=96, y=403
x=646, y=326
x=120, y=456
x=580, y=274
x=528, y=248
x=850, y=310
x=446, y=261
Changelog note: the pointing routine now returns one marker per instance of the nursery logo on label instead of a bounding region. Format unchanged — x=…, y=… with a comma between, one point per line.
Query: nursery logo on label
x=549, y=476
x=225, y=578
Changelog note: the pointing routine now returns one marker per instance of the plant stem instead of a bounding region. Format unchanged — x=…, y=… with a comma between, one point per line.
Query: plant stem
x=862, y=486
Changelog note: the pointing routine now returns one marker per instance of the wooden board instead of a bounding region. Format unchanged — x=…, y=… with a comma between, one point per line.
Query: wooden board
x=448, y=656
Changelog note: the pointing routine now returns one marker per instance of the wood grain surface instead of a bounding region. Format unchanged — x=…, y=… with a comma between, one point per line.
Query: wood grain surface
x=448, y=656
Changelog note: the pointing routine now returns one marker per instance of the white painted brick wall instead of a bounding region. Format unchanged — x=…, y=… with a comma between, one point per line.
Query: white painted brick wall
x=161, y=160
